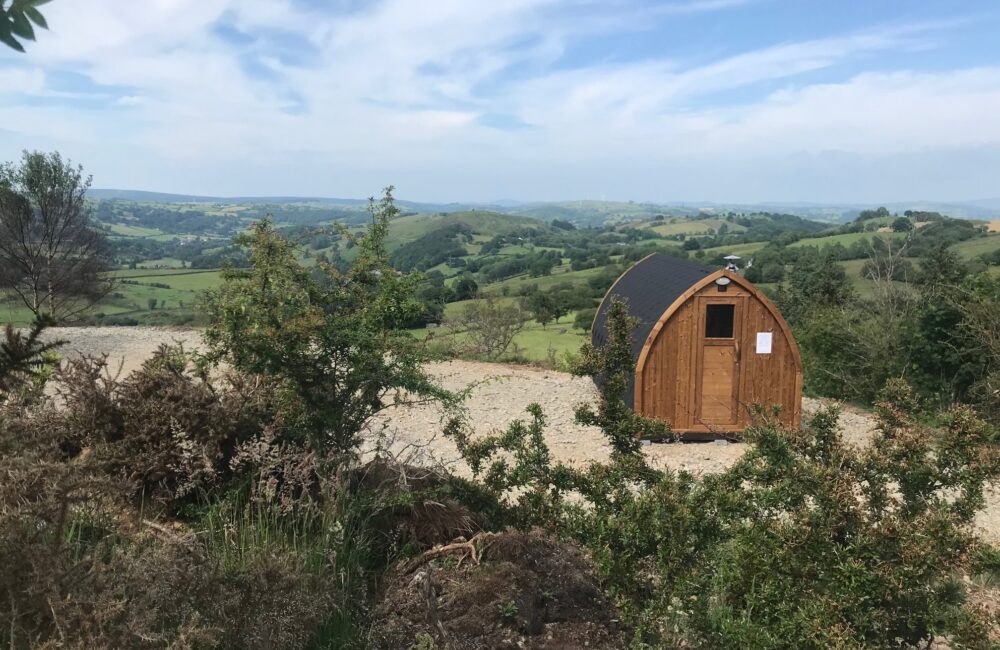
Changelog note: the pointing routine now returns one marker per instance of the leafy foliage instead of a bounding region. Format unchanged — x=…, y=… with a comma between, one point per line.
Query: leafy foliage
x=814, y=282
x=16, y=21
x=436, y=247
x=51, y=256
x=806, y=541
x=489, y=325
x=334, y=341
x=925, y=324
x=541, y=486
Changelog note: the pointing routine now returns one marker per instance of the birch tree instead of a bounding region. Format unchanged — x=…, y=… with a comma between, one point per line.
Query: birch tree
x=51, y=257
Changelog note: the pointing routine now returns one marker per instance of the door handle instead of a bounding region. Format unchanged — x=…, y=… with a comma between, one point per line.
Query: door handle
x=737, y=352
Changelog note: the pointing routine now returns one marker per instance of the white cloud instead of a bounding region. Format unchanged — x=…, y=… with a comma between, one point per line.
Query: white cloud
x=26, y=81
x=402, y=92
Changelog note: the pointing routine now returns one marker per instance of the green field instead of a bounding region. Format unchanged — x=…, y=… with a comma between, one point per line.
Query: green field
x=485, y=225
x=161, y=263
x=559, y=275
x=185, y=279
x=845, y=239
x=132, y=231
x=131, y=298
x=747, y=250
x=861, y=285
x=973, y=248
x=691, y=226
x=742, y=250
x=599, y=212
x=533, y=344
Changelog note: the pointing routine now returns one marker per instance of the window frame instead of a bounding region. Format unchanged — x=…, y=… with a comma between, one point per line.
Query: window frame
x=728, y=306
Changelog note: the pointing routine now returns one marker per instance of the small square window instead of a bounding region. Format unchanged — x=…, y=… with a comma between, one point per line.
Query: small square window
x=719, y=321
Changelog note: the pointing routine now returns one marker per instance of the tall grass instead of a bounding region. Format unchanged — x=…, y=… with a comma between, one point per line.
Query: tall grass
x=329, y=540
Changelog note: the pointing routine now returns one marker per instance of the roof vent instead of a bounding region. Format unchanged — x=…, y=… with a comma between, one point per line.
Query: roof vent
x=732, y=263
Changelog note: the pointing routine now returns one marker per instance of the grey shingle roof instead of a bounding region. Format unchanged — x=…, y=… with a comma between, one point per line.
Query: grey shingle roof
x=649, y=287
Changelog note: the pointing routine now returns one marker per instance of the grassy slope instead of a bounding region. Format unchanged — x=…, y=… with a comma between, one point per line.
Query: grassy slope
x=845, y=239
x=736, y=249
x=559, y=275
x=534, y=343
x=592, y=212
x=684, y=226
x=972, y=248
x=132, y=231
x=485, y=225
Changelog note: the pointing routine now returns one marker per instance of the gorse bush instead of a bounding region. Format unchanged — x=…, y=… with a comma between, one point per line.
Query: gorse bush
x=806, y=542
x=334, y=342
x=25, y=359
x=192, y=505
x=166, y=509
x=93, y=557
x=166, y=429
x=535, y=488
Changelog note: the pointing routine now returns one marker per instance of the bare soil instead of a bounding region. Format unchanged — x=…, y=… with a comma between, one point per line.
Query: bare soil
x=521, y=590
x=499, y=395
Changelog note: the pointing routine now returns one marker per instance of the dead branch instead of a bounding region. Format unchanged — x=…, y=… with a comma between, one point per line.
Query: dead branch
x=472, y=548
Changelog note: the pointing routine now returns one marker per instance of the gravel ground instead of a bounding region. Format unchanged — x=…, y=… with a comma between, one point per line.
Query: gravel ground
x=128, y=346
x=499, y=395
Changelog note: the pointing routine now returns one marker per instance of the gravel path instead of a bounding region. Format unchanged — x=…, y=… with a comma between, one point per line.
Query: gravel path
x=129, y=346
x=499, y=395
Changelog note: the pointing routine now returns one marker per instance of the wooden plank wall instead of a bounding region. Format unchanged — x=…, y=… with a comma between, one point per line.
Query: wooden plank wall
x=767, y=379
x=667, y=386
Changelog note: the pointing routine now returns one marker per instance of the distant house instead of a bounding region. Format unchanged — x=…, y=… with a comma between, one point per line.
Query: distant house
x=709, y=346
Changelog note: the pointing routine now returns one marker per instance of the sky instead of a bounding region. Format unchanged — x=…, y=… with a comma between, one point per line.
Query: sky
x=852, y=101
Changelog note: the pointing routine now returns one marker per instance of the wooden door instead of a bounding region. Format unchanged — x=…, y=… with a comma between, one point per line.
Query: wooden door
x=718, y=362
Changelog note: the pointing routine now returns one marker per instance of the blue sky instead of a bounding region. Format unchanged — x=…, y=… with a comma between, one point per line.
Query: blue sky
x=460, y=100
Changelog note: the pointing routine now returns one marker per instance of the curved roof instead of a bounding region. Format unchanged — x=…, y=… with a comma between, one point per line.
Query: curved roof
x=649, y=287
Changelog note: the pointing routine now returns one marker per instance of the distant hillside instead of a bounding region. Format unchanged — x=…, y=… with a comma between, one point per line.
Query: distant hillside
x=844, y=213
x=482, y=225
x=163, y=197
x=757, y=226
x=598, y=213
x=583, y=212
x=987, y=204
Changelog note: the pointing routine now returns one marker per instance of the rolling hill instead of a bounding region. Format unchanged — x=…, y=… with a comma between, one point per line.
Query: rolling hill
x=582, y=212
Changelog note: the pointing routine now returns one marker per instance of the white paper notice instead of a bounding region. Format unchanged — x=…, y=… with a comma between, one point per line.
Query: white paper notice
x=763, y=343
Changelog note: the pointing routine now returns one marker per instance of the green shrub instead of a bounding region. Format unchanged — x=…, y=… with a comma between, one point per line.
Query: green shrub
x=333, y=341
x=25, y=359
x=584, y=319
x=805, y=542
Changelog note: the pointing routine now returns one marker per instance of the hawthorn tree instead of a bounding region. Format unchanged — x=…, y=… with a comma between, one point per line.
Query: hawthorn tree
x=490, y=325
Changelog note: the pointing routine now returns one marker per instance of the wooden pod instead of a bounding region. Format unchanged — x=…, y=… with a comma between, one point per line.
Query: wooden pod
x=708, y=347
